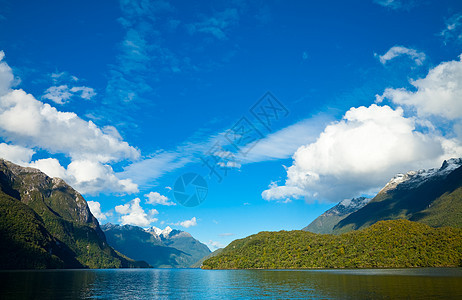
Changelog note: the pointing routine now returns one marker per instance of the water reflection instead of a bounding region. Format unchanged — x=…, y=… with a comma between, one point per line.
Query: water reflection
x=225, y=284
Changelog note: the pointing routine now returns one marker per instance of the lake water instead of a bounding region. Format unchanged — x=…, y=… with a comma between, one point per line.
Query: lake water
x=232, y=284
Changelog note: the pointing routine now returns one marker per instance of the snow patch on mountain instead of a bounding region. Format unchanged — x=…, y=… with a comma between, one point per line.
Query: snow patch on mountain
x=416, y=178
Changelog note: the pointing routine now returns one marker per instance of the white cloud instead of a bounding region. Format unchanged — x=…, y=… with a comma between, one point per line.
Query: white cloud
x=58, y=94
x=16, y=154
x=282, y=193
x=62, y=94
x=396, y=51
x=394, y=4
x=397, y=4
x=31, y=124
x=156, y=198
x=85, y=92
x=133, y=214
x=359, y=154
x=187, y=223
x=6, y=76
x=95, y=208
x=215, y=245
x=438, y=94
x=86, y=176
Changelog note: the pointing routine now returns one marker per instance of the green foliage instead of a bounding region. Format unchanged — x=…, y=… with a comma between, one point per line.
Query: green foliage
x=386, y=244
x=25, y=243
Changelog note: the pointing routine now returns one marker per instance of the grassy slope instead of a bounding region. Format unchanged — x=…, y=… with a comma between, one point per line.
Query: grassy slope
x=397, y=243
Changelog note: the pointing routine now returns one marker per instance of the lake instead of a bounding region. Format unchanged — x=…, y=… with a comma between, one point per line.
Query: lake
x=426, y=283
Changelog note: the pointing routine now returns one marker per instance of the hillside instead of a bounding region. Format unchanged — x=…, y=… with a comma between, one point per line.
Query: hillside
x=326, y=222
x=432, y=197
x=44, y=223
x=168, y=248
x=386, y=244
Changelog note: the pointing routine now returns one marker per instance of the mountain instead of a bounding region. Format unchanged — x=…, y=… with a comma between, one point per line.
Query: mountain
x=45, y=223
x=326, y=222
x=433, y=197
x=168, y=248
x=386, y=244
x=199, y=263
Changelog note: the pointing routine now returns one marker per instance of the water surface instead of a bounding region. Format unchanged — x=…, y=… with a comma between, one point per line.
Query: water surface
x=232, y=284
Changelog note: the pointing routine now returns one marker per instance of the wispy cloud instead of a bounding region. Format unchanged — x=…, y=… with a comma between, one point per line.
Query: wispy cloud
x=453, y=29
x=217, y=25
x=395, y=51
x=397, y=4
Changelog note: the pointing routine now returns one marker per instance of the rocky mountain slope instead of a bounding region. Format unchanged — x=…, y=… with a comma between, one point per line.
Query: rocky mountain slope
x=326, y=222
x=168, y=248
x=45, y=223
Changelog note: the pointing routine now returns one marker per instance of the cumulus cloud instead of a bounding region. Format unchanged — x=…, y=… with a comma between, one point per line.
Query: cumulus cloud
x=95, y=208
x=187, y=223
x=6, y=76
x=16, y=154
x=156, y=198
x=133, y=214
x=438, y=94
x=396, y=51
x=31, y=124
x=359, y=154
x=86, y=176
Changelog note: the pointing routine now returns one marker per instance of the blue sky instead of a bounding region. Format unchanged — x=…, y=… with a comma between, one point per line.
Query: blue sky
x=120, y=98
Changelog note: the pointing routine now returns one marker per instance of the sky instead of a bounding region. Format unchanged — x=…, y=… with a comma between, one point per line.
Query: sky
x=281, y=108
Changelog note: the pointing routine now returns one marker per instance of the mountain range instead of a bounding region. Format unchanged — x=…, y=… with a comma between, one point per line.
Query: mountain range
x=45, y=223
x=167, y=248
x=433, y=197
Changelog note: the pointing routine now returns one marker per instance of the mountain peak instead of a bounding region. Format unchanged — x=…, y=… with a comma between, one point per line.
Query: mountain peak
x=416, y=178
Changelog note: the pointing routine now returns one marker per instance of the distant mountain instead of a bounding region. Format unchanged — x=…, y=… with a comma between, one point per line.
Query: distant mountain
x=386, y=244
x=199, y=263
x=326, y=222
x=433, y=197
x=168, y=248
x=45, y=223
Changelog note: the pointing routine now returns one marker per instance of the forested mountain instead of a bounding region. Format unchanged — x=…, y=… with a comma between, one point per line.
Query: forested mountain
x=386, y=244
x=45, y=223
